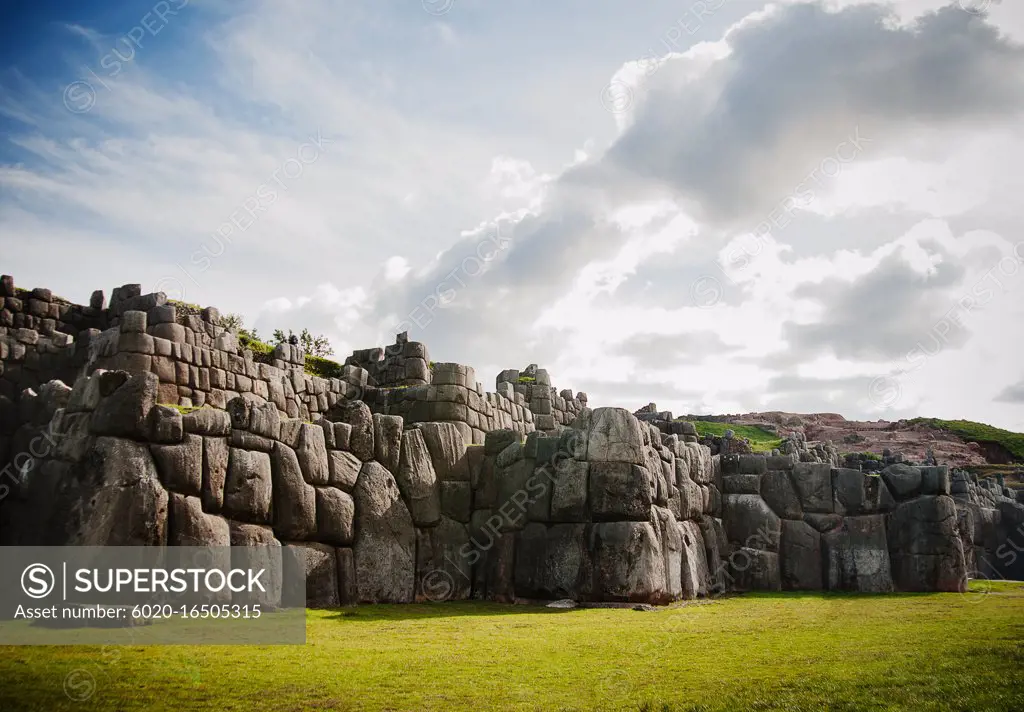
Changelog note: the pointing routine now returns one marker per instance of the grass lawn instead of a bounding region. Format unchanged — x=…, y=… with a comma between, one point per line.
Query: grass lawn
x=761, y=440
x=757, y=652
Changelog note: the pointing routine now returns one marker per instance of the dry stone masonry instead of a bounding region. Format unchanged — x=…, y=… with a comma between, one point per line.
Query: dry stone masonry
x=404, y=480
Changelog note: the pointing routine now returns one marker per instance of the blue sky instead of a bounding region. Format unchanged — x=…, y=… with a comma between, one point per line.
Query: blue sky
x=719, y=205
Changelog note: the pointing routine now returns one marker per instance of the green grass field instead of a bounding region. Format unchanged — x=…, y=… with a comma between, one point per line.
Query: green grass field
x=752, y=652
x=761, y=440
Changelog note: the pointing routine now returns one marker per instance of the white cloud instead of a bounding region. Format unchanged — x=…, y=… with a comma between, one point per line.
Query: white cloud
x=503, y=219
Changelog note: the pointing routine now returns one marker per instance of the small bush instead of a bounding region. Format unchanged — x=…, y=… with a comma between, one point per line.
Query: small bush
x=323, y=367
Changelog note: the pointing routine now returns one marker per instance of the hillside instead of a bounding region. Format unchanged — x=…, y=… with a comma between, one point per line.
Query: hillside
x=961, y=443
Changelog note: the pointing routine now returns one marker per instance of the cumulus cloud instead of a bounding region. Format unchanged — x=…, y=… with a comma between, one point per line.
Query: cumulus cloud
x=659, y=351
x=512, y=222
x=1012, y=394
x=875, y=317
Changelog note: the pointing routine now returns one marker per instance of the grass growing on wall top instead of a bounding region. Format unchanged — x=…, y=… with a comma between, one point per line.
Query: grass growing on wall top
x=314, y=366
x=799, y=652
x=979, y=433
x=323, y=367
x=761, y=440
x=183, y=409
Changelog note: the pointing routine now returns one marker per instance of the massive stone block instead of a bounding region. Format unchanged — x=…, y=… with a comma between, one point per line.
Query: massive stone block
x=113, y=498
x=697, y=575
x=294, y=499
x=207, y=421
x=628, y=563
x=926, y=572
x=312, y=454
x=447, y=451
x=321, y=569
x=755, y=570
x=190, y=526
x=569, y=492
x=457, y=500
x=614, y=435
x=515, y=488
x=689, y=494
x=904, y=481
x=247, y=491
x=443, y=568
x=335, y=516
x=925, y=525
x=935, y=480
x=670, y=540
x=215, y=472
x=385, y=543
x=800, y=557
x=619, y=490
x=417, y=480
x=387, y=440
x=357, y=414
x=552, y=562
x=924, y=545
x=856, y=556
x=498, y=569
x=813, y=484
x=741, y=484
x=716, y=552
x=702, y=469
x=750, y=522
x=181, y=466
x=778, y=492
x=343, y=470
x=124, y=411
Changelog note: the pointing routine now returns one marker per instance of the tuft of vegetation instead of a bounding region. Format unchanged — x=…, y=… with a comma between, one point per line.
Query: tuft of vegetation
x=865, y=455
x=979, y=433
x=183, y=409
x=322, y=367
x=761, y=440
x=185, y=308
x=790, y=651
x=527, y=379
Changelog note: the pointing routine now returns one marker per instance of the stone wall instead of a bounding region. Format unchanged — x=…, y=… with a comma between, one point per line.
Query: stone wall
x=811, y=526
x=990, y=519
x=551, y=409
x=608, y=509
x=408, y=482
x=199, y=362
x=454, y=396
x=404, y=363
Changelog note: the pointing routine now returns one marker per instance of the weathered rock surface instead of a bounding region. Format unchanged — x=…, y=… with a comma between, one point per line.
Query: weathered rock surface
x=385, y=541
x=417, y=480
x=247, y=491
x=294, y=499
x=800, y=557
x=628, y=562
x=620, y=490
x=444, y=571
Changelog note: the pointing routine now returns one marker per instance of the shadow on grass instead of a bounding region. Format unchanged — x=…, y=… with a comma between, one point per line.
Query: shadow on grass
x=372, y=613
